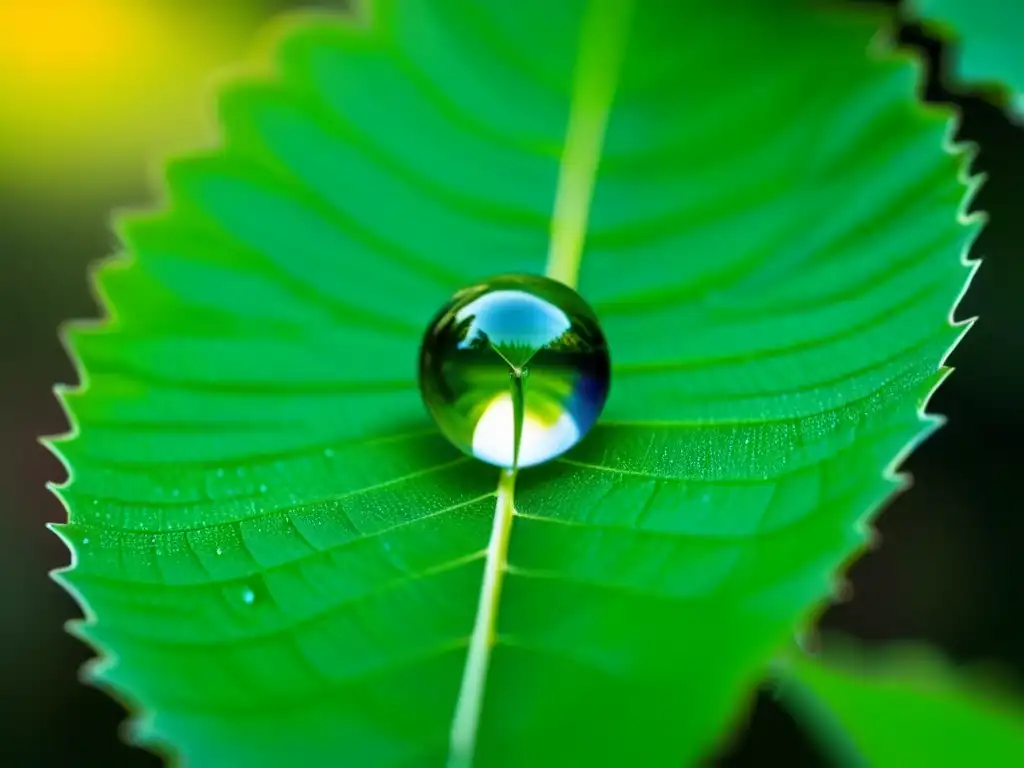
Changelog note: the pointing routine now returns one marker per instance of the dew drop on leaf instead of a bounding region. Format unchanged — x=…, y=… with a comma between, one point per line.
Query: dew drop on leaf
x=510, y=339
x=254, y=592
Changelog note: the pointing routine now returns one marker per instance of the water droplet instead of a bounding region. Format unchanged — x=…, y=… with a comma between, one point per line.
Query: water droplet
x=263, y=487
x=511, y=337
x=85, y=540
x=220, y=551
x=254, y=592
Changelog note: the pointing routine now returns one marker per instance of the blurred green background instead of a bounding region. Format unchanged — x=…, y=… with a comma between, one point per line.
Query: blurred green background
x=94, y=92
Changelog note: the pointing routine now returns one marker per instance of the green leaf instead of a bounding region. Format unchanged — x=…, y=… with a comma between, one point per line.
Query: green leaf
x=903, y=706
x=283, y=562
x=989, y=38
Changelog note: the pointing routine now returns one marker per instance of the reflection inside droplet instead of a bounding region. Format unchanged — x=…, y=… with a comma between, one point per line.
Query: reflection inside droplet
x=493, y=437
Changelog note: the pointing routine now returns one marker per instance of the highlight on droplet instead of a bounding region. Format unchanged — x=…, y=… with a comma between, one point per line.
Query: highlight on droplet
x=494, y=437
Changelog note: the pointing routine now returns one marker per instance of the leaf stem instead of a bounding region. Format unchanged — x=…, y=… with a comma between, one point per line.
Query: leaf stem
x=605, y=30
x=462, y=742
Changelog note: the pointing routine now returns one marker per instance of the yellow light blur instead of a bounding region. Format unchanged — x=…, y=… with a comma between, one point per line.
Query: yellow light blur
x=57, y=37
x=91, y=89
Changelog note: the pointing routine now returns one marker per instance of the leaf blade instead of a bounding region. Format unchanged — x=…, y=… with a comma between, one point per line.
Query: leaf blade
x=903, y=704
x=252, y=501
x=988, y=44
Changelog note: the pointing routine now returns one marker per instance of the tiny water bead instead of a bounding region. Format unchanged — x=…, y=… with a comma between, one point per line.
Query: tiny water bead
x=515, y=370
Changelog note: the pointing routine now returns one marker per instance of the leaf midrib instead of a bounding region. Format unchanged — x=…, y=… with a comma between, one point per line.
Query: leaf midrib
x=603, y=35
